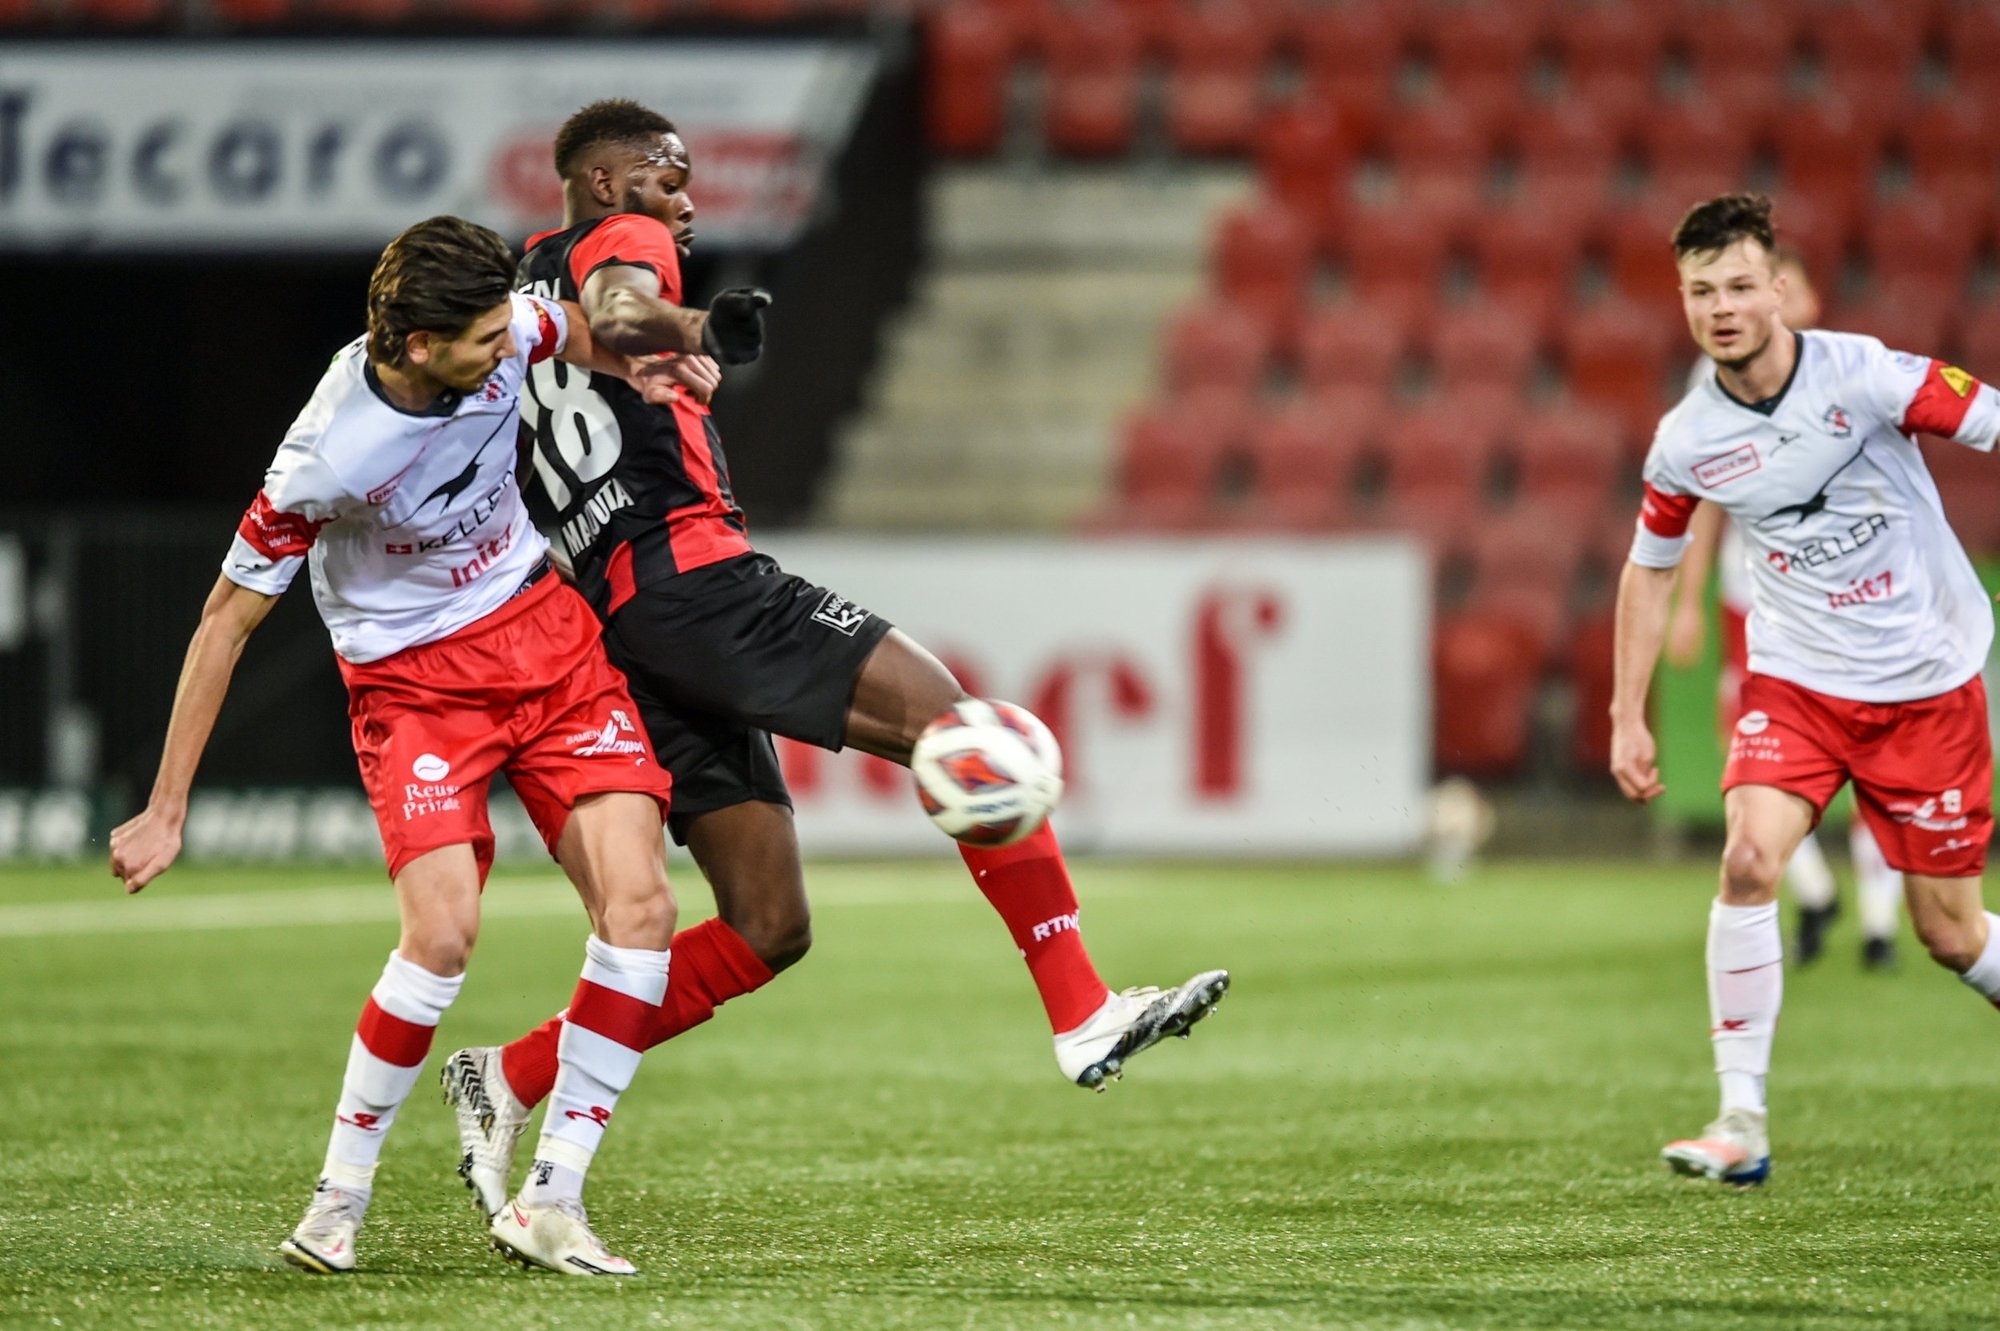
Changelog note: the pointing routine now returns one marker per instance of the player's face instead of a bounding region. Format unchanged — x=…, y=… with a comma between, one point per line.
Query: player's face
x=657, y=186
x=465, y=362
x=1732, y=299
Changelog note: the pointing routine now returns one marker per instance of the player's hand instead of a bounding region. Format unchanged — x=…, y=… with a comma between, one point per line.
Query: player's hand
x=143, y=848
x=660, y=379
x=1635, y=761
x=734, y=333
x=1685, y=634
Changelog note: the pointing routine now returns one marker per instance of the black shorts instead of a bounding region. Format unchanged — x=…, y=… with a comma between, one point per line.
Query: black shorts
x=722, y=658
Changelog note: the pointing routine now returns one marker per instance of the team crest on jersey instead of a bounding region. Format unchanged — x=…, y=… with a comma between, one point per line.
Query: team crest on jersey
x=1955, y=379
x=1837, y=422
x=1725, y=467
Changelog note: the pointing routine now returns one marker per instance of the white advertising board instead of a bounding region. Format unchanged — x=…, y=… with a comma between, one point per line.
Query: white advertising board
x=1213, y=697
x=339, y=144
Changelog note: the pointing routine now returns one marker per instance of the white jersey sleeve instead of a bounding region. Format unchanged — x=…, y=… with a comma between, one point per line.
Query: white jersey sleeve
x=1926, y=396
x=301, y=494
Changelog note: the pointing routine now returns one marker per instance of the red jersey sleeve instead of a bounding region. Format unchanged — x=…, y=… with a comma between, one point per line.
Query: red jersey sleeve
x=633, y=239
x=1941, y=401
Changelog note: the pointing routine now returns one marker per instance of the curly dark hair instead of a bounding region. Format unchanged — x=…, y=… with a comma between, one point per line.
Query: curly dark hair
x=1711, y=227
x=437, y=277
x=613, y=120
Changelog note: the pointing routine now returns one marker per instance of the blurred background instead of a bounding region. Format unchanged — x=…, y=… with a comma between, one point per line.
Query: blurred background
x=1257, y=390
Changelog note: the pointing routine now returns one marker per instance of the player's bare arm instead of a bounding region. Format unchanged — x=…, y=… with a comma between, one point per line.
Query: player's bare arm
x=623, y=307
x=144, y=847
x=1643, y=596
x=1687, y=629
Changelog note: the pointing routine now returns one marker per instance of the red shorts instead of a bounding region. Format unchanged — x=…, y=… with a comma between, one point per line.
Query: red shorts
x=1922, y=770
x=1735, y=667
x=526, y=691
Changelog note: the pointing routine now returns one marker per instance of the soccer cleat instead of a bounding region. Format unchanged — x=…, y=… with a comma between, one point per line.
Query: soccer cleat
x=1132, y=1021
x=555, y=1237
x=1878, y=954
x=1814, y=921
x=1733, y=1149
x=324, y=1240
x=490, y=1123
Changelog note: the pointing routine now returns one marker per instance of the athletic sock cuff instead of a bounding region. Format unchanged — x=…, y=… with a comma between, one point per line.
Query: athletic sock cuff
x=413, y=994
x=1984, y=974
x=1743, y=937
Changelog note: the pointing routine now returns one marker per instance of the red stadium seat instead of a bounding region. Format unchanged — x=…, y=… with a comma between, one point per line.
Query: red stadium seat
x=1527, y=253
x=1263, y=259
x=1611, y=54
x=1569, y=458
x=1569, y=149
x=1867, y=46
x=1615, y=357
x=970, y=50
x=1972, y=50
x=1352, y=54
x=1438, y=460
x=1919, y=237
x=1724, y=40
x=1540, y=610
x=1393, y=254
x=1915, y=316
x=1304, y=150
x=1828, y=151
x=133, y=12
x=1485, y=345
x=1486, y=671
x=1348, y=346
x=1591, y=657
x=1173, y=451
x=1694, y=136
x=1093, y=61
x=1949, y=143
x=1529, y=546
x=1303, y=460
x=1638, y=247
x=1217, y=59
x=1979, y=342
x=1212, y=344
x=1441, y=157
x=1482, y=53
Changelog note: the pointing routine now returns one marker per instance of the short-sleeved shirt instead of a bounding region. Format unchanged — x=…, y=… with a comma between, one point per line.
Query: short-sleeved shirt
x=1859, y=588
x=412, y=523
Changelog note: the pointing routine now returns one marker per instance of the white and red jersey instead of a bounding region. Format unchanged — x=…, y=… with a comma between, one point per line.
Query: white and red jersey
x=412, y=523
x=1859, y=588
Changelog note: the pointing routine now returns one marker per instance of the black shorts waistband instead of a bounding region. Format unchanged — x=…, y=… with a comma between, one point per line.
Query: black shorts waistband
x=535, y=575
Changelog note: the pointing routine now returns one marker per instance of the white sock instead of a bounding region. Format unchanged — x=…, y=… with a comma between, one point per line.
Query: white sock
x=616, y=1004
x=1985, y=973
x=1878, y=887
x=1809, y=875
x=1746, y=986
x=383, y=1062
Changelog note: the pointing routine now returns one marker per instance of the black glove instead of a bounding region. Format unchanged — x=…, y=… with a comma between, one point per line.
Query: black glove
x=734, y=333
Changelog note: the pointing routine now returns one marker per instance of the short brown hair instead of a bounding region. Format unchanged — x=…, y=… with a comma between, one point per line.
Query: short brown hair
x=613, y=120
x=1711, y=227
x=437, y=277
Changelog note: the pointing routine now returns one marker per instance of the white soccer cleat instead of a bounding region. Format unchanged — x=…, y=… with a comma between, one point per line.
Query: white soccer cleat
x=555, y=1237
x=1132, y=1021
x=490, y=1123
x=1734, y=1149
x=324, y=1240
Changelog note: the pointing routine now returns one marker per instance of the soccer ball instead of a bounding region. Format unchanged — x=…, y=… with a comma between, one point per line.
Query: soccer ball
x=987, y=772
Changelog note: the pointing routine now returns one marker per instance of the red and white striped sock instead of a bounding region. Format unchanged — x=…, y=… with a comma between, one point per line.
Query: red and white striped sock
x=712, y=964
x=390, y=1043
x=616, y=1006
x=1028, y=883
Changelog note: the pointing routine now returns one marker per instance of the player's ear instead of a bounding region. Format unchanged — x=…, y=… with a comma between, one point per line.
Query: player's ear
x=417, y=347
x=603, y=188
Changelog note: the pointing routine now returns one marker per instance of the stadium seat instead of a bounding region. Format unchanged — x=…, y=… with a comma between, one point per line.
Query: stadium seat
x=1614, y=357
x=1979, y=341
x=1694, y=137
x=1353, y=346
x=1303, y=458
x=1972, y=50
x=1527, y=253
x=970, y=50
x=1172, y=453
x=1611, y=54
x=1911, y=315
x=1217, y=57
x=1828, y=151
x=1092, y=59
x=1867, y=46
x=1351, y=55
x=1592, y=649
x=1216, y=344
x=1568, y=458
x=1724, y=40
x=1483, y=344
x=1566, y=150
x=1441, y=157
x=1392, y=255
x=1263, y=258
x=1637, y=241
x=1539, y=609
x=1438, y=461
x=1304, y=150
x=1481, y=53
x=1949, y=146
x=1529, y=545
x=1920, y=237
x=1969, y=484
x=1485, y=674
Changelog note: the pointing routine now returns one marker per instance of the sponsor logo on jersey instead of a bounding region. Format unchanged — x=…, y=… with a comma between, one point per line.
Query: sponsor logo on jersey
x=1754, y=723
x=1837, y=422
x=1860, y=591
x=590, y=743
x=840, y=614
x=1957, y=380
x=430, y=767
x=1823, y=550
x=428, y=797
x=578, y=533
x=1725, y=467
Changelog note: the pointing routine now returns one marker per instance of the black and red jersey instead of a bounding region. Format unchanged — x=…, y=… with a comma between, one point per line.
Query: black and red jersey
x=630, y=492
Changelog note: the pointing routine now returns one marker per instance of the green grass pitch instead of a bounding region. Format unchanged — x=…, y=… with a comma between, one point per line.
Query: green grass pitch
x=1420, y=1108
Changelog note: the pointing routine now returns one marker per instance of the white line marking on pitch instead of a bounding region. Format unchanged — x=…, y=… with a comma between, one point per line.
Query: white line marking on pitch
x=375, y=903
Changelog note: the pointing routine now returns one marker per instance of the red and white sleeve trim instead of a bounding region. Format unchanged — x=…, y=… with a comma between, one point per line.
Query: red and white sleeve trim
x=276, y=535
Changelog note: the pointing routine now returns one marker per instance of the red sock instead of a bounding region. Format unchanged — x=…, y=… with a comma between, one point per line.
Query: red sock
x=1029, y=885
x=712, y=964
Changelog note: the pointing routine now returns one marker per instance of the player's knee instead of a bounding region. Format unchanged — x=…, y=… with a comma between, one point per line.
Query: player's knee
x=644, y=917
x=780, y=938
x=1750, y=872
x=441, y=949
x=1950, y=943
